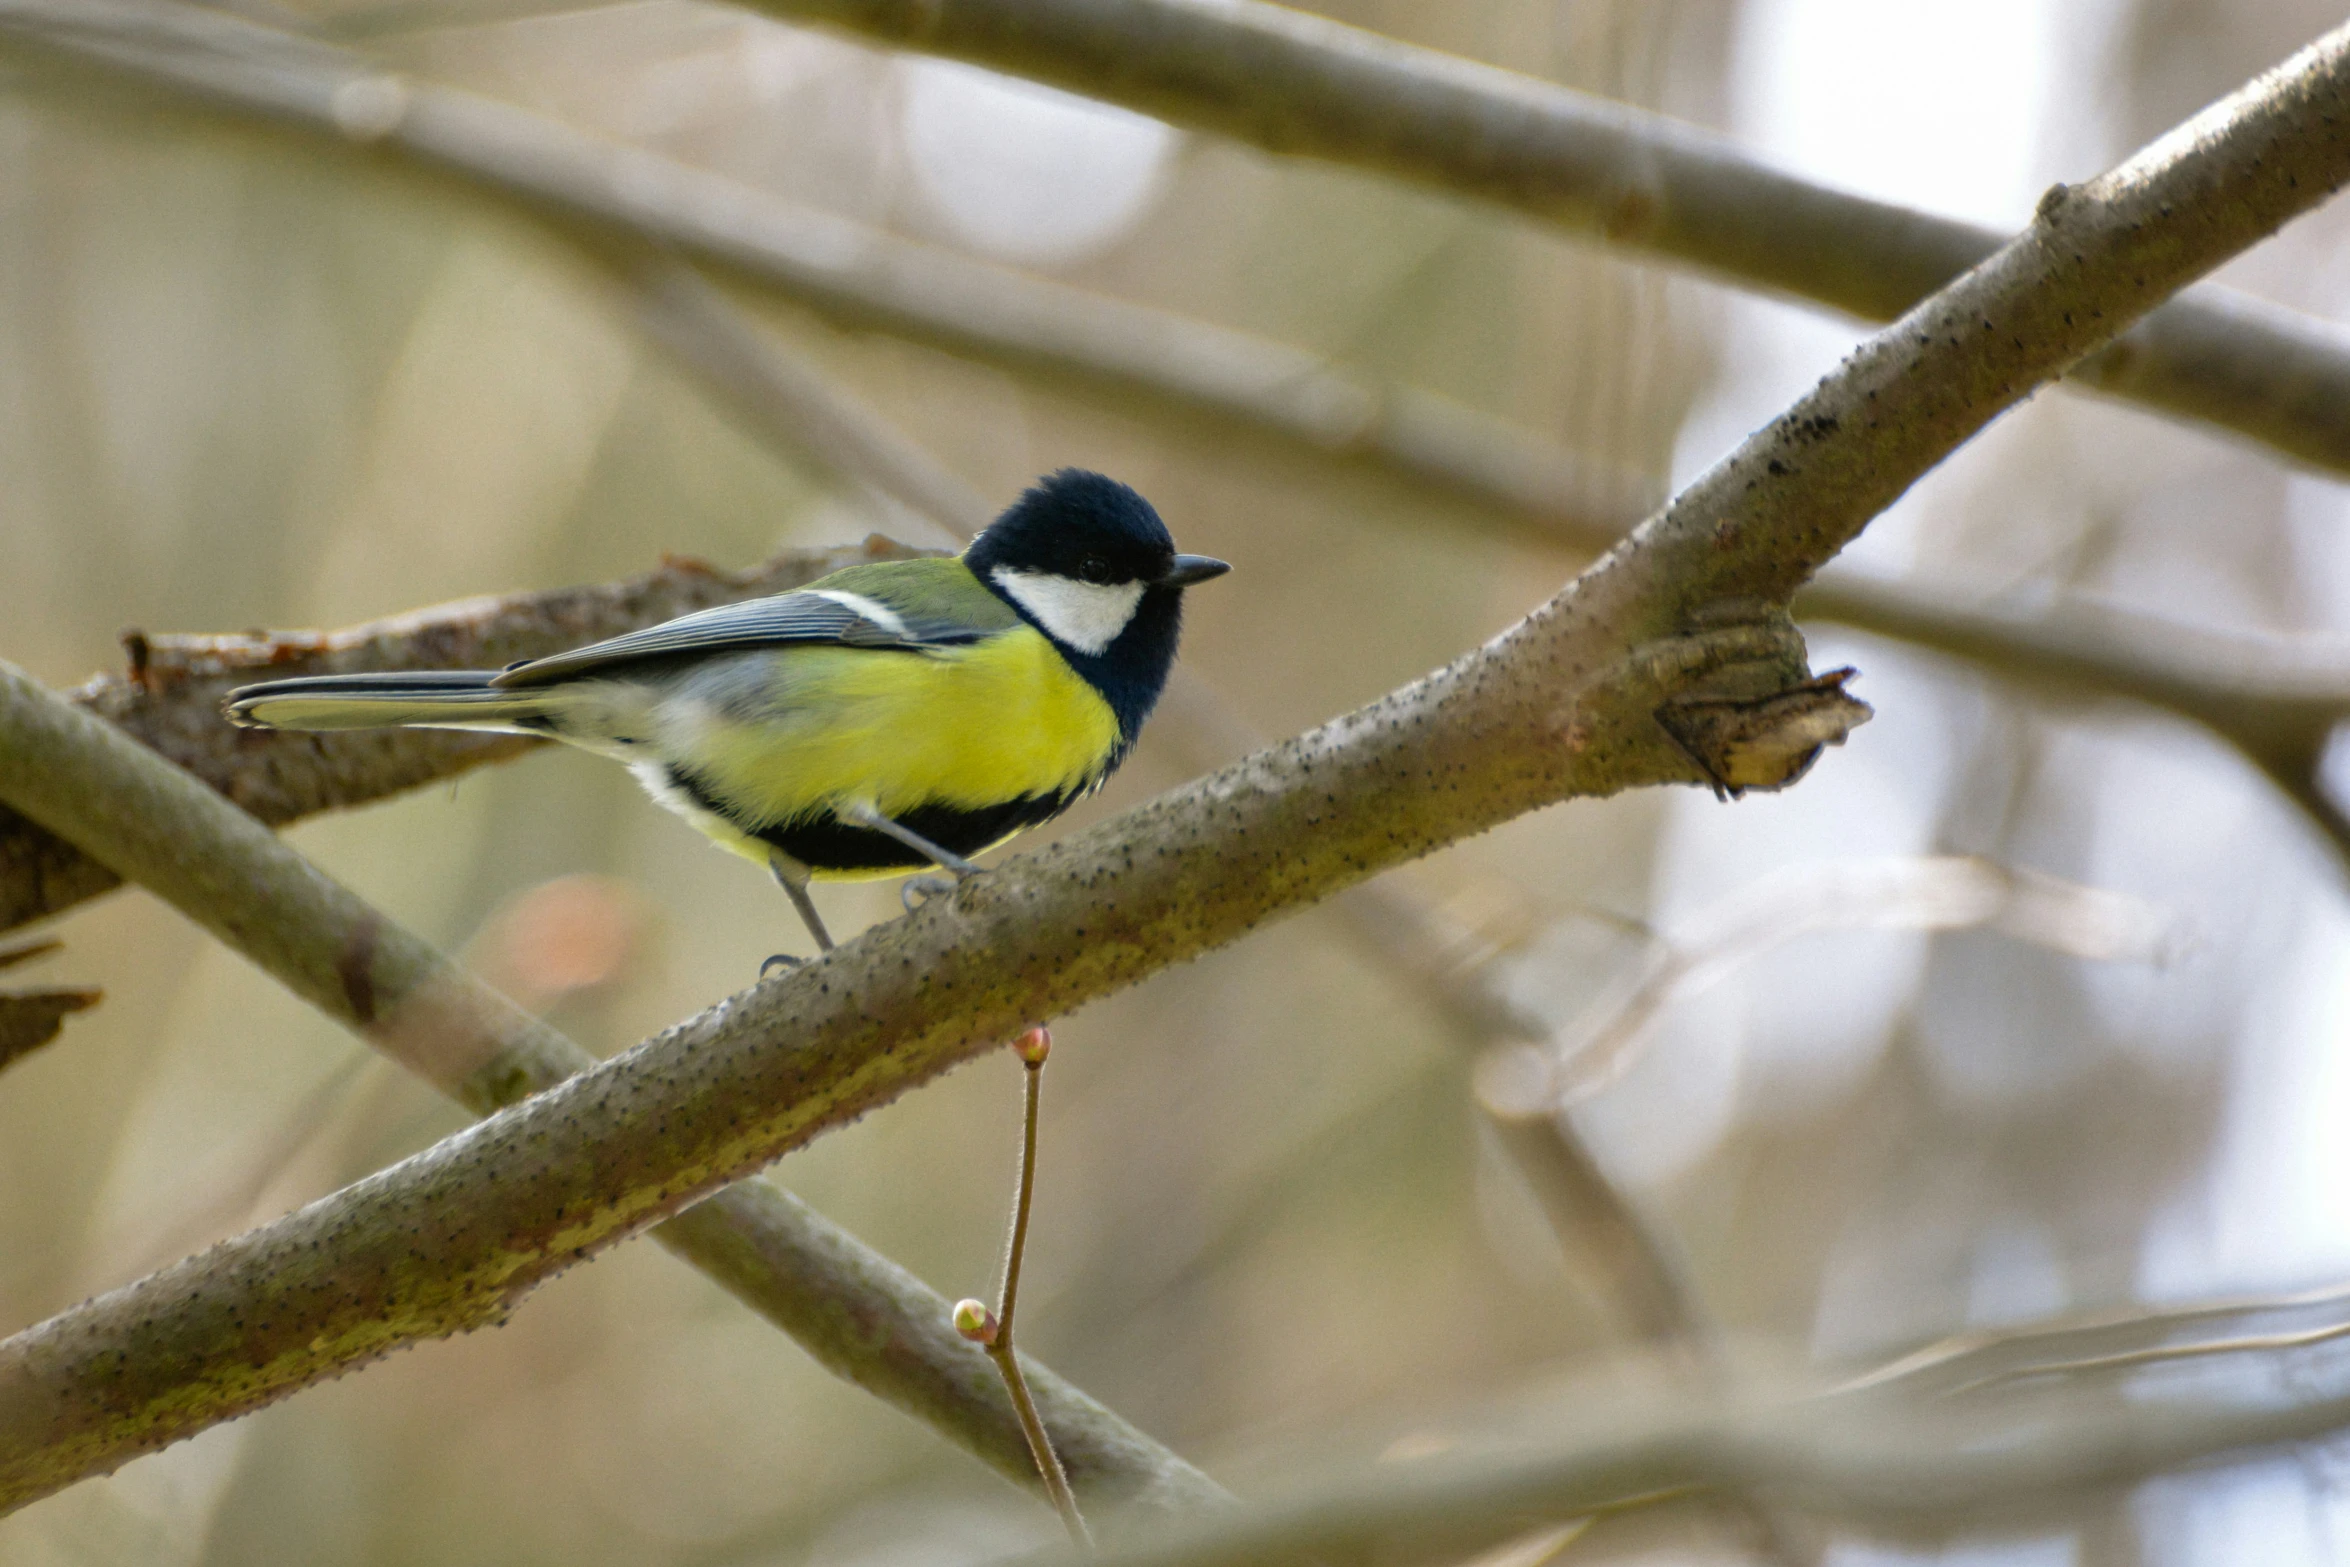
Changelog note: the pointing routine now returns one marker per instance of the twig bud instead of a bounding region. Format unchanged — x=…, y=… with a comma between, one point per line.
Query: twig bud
x=975, y=1322
x=1033, y=1046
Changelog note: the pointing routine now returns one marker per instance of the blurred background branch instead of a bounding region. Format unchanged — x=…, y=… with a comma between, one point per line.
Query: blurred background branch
x=1898, y=1466
x=854, y=276
x=1299, y=84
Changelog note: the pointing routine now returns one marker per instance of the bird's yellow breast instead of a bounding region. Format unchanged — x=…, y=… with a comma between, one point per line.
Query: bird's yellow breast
x=960, y=727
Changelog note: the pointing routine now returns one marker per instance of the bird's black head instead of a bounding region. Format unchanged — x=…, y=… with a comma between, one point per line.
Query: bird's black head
x=1086, y=561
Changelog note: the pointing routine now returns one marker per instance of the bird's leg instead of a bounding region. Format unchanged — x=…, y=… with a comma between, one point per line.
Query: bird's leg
x=792, y=877
x=945, y=859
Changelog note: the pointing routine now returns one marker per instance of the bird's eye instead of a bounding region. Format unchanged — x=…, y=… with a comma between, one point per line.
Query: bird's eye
x=1094, y=569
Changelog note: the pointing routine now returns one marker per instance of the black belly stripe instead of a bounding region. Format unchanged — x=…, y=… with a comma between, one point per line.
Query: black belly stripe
x=826, y=843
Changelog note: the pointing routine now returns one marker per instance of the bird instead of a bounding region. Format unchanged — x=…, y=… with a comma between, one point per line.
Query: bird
x=891, y=718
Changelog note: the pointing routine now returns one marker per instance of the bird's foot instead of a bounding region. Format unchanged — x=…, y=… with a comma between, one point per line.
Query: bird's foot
x=922, y=889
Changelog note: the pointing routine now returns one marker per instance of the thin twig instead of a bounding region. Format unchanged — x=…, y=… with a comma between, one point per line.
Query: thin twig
x=993, y=1330
x=2137, y=1336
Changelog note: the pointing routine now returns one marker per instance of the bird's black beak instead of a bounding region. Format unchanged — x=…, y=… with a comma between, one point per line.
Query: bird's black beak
x=1189, y=569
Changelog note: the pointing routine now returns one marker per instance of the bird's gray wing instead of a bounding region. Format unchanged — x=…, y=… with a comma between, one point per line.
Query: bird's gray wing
x=810, y=615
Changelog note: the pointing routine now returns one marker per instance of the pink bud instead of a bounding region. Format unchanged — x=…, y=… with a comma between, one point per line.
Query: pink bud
x=1033, y=1046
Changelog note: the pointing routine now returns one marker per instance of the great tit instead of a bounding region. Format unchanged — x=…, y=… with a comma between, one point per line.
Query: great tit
x=885, y=719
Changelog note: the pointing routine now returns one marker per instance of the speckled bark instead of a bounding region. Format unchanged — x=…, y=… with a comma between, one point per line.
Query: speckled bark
x=1563, y=704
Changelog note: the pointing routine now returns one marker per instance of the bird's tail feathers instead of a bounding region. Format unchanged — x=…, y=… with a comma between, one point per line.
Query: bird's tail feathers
x=423, y=699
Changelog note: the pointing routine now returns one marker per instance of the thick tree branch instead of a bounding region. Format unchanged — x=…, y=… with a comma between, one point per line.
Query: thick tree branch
x=859, y=1314
x=1564, y=704
x=1298, y=84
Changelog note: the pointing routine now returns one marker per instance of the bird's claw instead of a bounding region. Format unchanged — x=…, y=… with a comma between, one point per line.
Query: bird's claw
x=922, y=889
x=779, y=960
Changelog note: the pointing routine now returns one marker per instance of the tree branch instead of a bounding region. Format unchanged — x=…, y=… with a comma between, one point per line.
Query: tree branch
x=2104, y=1342
x=345, y=104
x=2276, y=700
x=860, y=1315
x=1302, y=85
x=170, y=701
x=1921, y=1445
x=1900, y=1466
x=1564, y=704
x=1633, y=177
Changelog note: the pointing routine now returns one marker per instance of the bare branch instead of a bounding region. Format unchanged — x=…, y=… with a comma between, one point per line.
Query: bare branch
x=1564, y=704
x=1302, y=85
x=854, y=276
x=2277, y=700
x=2114, y=1341
x=1925, y=1444
x=859, y=1314
x=170, y=700
x=1292, y=82
x=1912, y=892
x=1888, y=1464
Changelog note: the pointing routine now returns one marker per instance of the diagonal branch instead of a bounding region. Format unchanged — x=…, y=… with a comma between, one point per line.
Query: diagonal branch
x=1302, y=85
x=2276, y=700
x=343, y=103
x=1564, y=704
x=1989, y=1428
x=1896, y=1466
x=1285, y=80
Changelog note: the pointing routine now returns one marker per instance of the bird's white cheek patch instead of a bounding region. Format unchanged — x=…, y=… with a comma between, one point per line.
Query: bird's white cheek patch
x=1086, y=615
